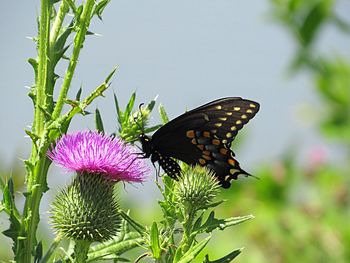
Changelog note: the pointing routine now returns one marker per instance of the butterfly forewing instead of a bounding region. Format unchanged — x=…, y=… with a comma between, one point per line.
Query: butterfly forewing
x=203, y=136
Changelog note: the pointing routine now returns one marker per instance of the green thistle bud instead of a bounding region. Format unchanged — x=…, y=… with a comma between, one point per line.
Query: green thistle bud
x=87, y=209
x=196, y=188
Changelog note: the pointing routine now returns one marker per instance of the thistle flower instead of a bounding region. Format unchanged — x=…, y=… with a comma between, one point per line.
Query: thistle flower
x=196, y=189
x=87, y=210
x=94, y=153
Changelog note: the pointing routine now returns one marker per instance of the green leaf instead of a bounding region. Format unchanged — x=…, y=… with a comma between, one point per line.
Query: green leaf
x=100, y=7
x=110, y=75
x=78, y=96
x=194, y=251
x=151, y=104
x=137, y=226
x=226, y=259
x=115, y=247
x=163, y=114
x=98, y=121
x=38, y=252
x=119, y=112
x=213, y=223
x=155, y=246
x=130, y=106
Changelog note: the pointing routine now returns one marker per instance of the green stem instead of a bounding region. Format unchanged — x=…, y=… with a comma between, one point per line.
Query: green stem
x=81, y=250
x=30, y=219
x=55, y=31
x=187, y=240
x=57, y=24
x=51, y=249
x=84, y=23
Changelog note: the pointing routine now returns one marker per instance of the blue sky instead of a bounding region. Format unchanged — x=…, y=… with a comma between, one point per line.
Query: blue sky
x=187, y=53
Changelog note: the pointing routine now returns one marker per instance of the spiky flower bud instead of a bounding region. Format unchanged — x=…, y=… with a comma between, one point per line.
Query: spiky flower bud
x=87, y=209
x=196, y=188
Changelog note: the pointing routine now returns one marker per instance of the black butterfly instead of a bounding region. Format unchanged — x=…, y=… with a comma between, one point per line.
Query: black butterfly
x=202, y=136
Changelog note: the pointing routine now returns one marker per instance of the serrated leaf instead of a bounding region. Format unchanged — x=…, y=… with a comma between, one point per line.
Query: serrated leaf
x=34, y=63
x=226, y=259
x=8, y=195
x=194, y=251
x=155, y=246
x=213, y=223
x=98, y=121
x=100, y=7
x=163, y=114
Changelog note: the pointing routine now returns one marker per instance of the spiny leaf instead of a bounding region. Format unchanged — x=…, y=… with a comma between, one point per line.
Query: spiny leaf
x=213, y=223
x=226, y=259
x=100, y=7
x=163, y=114
x=194, y=251
x=130, y=106
x=98, y=121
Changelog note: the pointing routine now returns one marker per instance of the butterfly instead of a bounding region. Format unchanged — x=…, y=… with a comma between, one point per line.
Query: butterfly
x=202, y=136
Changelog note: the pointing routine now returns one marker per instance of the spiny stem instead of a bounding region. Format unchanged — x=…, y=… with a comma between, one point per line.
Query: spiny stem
x=78, y=43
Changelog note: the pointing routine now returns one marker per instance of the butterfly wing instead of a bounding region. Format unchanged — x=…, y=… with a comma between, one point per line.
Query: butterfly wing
x=204, y=136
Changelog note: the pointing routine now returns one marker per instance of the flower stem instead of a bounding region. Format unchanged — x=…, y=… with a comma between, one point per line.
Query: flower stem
x=81, y=250
x=51, y=249
x=30, y=220
x=78, y=44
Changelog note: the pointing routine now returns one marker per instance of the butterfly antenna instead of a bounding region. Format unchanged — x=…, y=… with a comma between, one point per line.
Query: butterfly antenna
x=142, y=127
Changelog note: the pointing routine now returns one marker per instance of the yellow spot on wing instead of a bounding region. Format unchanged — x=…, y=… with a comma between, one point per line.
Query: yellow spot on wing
x=229, y=113
x=233, y=128
x=236, y=108
x=238, y=122
x=228, y=135
x=218, y=107
x=201, y=161
x=218, y=124
x=249, y=111
x=252, y=105
x=223, y=118
x=244, y=116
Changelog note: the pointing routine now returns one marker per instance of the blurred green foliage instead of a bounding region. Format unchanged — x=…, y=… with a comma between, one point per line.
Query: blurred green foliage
x=302, y=210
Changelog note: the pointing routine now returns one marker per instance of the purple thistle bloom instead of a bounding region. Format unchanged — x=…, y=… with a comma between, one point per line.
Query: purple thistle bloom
x=93, y=152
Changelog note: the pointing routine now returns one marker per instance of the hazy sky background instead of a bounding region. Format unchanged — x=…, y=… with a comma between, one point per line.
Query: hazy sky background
x=188, y=53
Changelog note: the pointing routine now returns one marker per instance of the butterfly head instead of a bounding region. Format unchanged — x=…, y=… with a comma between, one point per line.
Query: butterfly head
x=146, y=144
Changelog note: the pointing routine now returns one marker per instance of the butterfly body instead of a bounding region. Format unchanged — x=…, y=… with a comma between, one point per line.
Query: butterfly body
x=202, y=136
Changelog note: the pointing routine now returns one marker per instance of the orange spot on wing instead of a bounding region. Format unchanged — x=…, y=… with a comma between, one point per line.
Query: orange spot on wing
x=201, y=161
x=200, y=146
x=231, y=162
x=206, y=134
x=215, y=142
x=223, y=151
x=190, y=134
